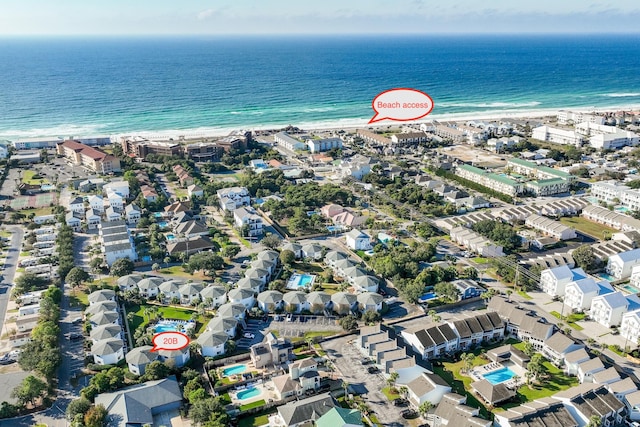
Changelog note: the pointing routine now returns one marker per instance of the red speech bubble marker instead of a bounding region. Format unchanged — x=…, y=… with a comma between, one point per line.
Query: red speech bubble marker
x=170, y=341
x=401, y=105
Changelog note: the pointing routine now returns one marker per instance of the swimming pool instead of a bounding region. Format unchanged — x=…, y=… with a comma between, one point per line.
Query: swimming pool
x=334, y=228
x=630, y=288
x=428, y=297
x=248, y=393
x=173, y=325
x=606, y=276
x=158, y=215
x=300, y=281
x=234, y=370
x=499, y=376
x=169, y=236
x=621, y=209
x=163, y=224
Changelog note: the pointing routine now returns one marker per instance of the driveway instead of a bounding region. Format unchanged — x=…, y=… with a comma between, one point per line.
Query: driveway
x=346, y=358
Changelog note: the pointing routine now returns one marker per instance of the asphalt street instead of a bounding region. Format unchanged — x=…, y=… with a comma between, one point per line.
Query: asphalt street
x=9, y=270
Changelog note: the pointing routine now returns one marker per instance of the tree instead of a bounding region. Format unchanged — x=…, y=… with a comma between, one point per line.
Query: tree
x=29, y=282
x=76, y=276
x=528, y=348
x=393, y=377
x=584, y=258
x=404, y=391
x=425, y=408
x=78, y=406
x=516, y=381
x=447, y=291
x=469, y=273
x=435, y=317
x=155, y=266
x=122, y=267
x=349, y=323
x=156, y=370
x=271, y=241
x=230, y=251
x=29, y=391
x=371, y=316
x=96, y=416
x=595, y=421
x=96, y=264
x=205, y=261
x=467, y=361
x=206, y=411
x=287, y=257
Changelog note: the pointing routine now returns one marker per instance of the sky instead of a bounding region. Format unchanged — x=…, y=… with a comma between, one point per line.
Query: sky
x=224, y=17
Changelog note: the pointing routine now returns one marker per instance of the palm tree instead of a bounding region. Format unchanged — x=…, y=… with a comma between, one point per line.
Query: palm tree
x=425, y=408
x=595, y=421
x=345, y=386
x=529, y=376
x=509, y=292
x=310, y=342
x=404, y=391
x=362, y=407
x=393, y=377
x=516, y=380
x=467, y=361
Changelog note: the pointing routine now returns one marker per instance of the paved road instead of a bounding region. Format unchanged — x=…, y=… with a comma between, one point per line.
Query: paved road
x=17, y=233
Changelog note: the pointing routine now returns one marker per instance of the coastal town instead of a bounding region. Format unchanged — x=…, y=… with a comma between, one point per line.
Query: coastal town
x=468, y=273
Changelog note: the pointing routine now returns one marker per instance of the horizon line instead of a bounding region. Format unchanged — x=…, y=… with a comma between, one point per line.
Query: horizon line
x=316, y=34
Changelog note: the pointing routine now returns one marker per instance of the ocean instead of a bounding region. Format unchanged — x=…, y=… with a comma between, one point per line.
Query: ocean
x=108, y=86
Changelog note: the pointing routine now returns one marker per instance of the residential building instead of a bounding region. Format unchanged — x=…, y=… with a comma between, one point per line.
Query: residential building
x=190, y=246
x=580, y=293
x=302, y=412
x=558, y=346
x=340, y=417
x=326, y=144
x=355, y=167
x=233, y=198
x=493, y=181
x=620, y=265
x=476, y=242
x=411, y=137
x=117, y=242
x=36, y=143
x=139, y=357
x=195, y=191
x=542, y=413
x=248, y=217
x=141, y=147
x=550, y=227
x=450, y=133
x=358, y=241
x=608, y=309
x=74, y=221
x=141, y=404
x=132, y=214
x=88, y=157
x=212, y=343
x=453, y=411
x=630, y=326
x=610, y=218
x=427, y=388
x=566, y=117
x=432, y=342
x=588, y=400
x=492, y=394
x=554, y=280
x=108, y=352
x=558, y=136
x=271, y=351
x=288, y=142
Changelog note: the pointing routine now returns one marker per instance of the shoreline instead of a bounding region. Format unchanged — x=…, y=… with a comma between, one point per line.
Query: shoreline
x=78, y=131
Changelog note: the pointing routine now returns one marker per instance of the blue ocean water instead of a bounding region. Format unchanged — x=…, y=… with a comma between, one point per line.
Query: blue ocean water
x=74, y=86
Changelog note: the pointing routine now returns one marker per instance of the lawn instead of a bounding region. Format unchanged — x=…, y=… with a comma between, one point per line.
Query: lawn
x=587, y=227
x=5, y=233
x=252, y=405
x=391, y=396
x=27, y=178
x=255, y=420
x=570, y=319
x=178, y=271
x=166, y=312
x=524, y=295
x=37, y=212
x=313, y=334
x=480, y=260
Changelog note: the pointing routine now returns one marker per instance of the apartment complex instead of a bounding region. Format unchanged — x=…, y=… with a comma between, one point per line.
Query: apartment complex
x=91, y=158
x=558, y=136
x=499, y=183
x=613, y=192
x=566, y=117
x=288, y=142
x=200, y=150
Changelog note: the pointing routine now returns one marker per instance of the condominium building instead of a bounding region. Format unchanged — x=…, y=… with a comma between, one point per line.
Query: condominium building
x=613, y=192
x=558, y=136
x=606, y=137
x=550, y=227
x=534, y=170
x=499, y=183
x=288, y=142
x=88, y=157
x=610, y=218
x=451, y=133
x=372, y=137
x=141, y=147
x=567, y=117
x=326, y=144
x=233, y=198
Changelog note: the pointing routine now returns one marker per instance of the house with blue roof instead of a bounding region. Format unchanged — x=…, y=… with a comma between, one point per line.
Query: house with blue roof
x=554, y=280
x=608, y=309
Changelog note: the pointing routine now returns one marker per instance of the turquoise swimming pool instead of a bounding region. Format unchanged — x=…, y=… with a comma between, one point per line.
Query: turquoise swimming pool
x=170, y=236
x=630, y=288
x=234, y=370
x=499, y=376
x=248, y=393
x=172, y=326
x=300, y=281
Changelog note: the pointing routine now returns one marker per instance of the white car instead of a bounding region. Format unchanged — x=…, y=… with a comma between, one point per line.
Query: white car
x=249, y=335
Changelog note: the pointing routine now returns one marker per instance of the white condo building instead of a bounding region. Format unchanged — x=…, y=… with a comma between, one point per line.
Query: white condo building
x=558, y=136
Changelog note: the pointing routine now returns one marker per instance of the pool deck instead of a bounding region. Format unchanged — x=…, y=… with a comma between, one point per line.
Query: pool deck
x=266, y=393
x=478, y=373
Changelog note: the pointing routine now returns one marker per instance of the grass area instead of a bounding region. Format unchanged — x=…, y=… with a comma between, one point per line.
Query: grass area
x=390, y=395
x=313, y=334
x=255, y=420
x=79, y=298
x=301, y=267
x=37, y=212
x=585, y=226
x=252, y=405
x=480, y=260
x=570, y=319
x=330, y=288
x=28, y=178
x=178, y=271
x=166, y=312
x=524, y=295
x=5, y=233
x=617, y=350
x=225, y=398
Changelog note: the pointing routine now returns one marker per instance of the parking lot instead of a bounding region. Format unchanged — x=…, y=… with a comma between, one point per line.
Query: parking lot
x=347, y=358
x=296, y=327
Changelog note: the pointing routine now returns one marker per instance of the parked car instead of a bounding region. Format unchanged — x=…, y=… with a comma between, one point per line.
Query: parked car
x=77, y=321
x=400, y=402
x=75, y=336
x=373, y=370
x=409, y=414
x=365, y=361
x=249, y=335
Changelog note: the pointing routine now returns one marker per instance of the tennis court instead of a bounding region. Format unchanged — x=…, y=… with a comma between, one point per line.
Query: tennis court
x=42, y=200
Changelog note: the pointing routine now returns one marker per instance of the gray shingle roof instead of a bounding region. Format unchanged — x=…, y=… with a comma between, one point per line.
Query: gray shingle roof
x=306, y=409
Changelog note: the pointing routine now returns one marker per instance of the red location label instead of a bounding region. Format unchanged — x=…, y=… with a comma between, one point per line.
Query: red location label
x=170, y=341
x=401, y=105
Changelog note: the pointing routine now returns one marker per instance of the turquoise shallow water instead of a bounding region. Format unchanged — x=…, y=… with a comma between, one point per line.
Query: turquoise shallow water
x=67, y=86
